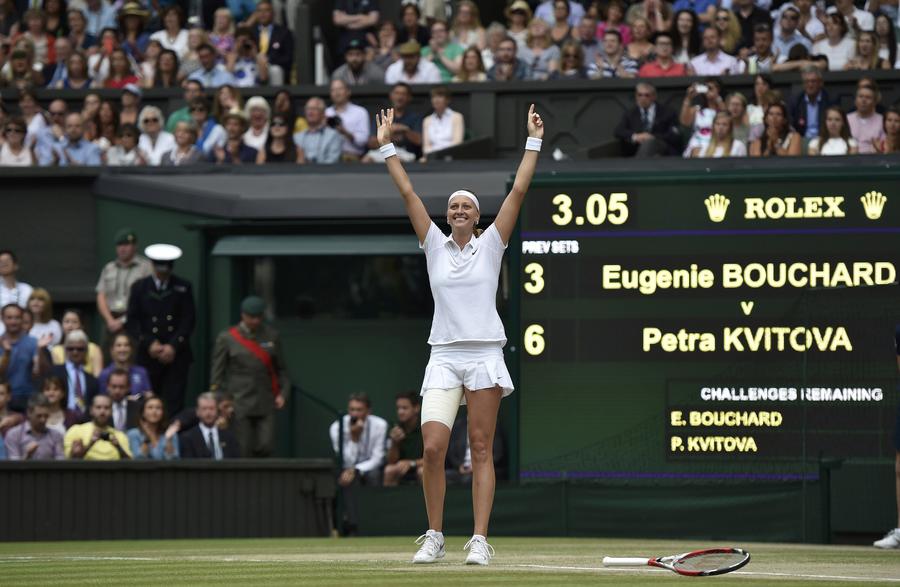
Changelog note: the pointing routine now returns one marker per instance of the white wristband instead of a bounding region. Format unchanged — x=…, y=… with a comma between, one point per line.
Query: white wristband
x=388, y=150
x=533, y=144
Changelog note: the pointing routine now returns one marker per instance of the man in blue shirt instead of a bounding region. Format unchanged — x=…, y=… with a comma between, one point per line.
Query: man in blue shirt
x=211, y=74
x=21, y=356
x=319, y=143
x=74, y=150
x=704, y=9
x=99, y=15
x=788, y=35
x=807, y=108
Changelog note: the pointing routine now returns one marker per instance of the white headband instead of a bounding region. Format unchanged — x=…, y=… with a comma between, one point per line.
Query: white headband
x=467, y=194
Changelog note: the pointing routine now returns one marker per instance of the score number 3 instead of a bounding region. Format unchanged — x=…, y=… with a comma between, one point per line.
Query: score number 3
x=597, y=209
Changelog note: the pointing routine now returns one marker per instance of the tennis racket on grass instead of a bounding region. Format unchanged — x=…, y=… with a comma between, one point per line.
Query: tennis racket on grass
x=698, y=563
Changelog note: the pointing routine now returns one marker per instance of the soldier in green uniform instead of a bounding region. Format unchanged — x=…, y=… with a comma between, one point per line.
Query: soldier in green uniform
x=248, y=363
x=114, y=285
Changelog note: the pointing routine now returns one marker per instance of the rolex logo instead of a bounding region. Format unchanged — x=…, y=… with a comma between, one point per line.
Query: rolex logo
x=716, y=206
x=873, y=204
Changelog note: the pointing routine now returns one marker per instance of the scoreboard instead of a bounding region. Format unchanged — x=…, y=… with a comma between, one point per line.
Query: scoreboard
x=693, y=322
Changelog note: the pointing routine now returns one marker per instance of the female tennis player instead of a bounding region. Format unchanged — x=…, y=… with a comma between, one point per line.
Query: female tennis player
x=467, y=336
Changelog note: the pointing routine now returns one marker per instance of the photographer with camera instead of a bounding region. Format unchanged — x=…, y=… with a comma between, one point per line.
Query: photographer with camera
x=349, y=119
x=698, y=111
x=363, y=445
x=97, y=440
x=248, y=66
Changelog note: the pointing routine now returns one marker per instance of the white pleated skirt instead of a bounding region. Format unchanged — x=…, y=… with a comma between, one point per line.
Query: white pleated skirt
x=473, y=365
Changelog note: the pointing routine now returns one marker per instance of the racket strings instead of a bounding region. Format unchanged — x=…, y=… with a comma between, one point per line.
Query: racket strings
x=710, y=562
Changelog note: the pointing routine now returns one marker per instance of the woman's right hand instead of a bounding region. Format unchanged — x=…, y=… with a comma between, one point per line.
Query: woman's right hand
x=383, y=125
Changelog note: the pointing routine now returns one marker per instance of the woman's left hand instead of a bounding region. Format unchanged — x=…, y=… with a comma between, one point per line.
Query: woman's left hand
x=535, y=124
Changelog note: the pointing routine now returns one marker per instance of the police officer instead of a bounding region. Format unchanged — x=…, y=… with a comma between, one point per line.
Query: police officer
x=248, y=363
x=116, y=280
x=161, y=320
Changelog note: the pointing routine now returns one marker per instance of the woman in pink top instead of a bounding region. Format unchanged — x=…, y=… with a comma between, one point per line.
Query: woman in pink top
x=614, y=20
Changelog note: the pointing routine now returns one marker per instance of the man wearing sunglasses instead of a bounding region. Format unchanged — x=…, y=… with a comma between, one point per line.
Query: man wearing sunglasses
x=788, y=35
x=81, y=386
x=52, y=136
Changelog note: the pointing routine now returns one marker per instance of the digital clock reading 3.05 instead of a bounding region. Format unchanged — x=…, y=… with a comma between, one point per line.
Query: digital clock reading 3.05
x=597, y=209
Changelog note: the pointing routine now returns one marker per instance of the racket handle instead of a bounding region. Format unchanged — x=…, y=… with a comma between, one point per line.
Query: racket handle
x=609, y=561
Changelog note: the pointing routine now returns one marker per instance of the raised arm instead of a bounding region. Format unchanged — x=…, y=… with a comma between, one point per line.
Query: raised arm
x=415, y=209
x=509, y=211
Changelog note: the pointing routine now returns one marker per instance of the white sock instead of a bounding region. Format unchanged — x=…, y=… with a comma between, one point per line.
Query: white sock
x=438, y=535
x=478, y=537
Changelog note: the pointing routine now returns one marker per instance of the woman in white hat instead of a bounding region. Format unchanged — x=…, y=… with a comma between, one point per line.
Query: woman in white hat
x=467, y=336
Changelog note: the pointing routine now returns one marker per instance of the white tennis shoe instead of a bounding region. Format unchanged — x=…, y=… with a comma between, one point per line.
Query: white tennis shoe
x=890, y=540
x=480, y=552
x=431, y=548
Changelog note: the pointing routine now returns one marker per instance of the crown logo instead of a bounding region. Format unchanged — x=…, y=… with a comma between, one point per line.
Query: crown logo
x=873, y=203
x=716, y=206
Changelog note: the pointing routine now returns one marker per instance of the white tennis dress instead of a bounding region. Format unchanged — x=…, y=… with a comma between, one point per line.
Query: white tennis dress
x=467, y=335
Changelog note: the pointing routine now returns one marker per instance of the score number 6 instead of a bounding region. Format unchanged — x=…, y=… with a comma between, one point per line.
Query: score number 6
x=597, y=209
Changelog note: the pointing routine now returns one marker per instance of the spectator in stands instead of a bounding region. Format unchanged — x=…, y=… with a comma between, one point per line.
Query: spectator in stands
x=834, y=136
x=887, y=39
x=412, y=68
x=125, y=152
x=190, y=63
x=714, y=61
x=257, y=111
x=152, y=438
x=778, y=138
x=807, y=107
x=234, y=150
x=275, y=42
x=443, y=128
x=471, y=68
x=658, y=14
x=750, y=16
x=78, y=35
x=72, y=320
x=857, y=20
x=185, y=152
x=126, y=408
x=122, y=353
x=76, y=74
x=404, y=456
x=649, y=128
x=349, y=120
x=540, y=53
x=154, y=141
x=97, y=440
x=114, y=285
x=445, y=54
x=55, y=73
x=207, y=440
x=98, y=60
x=507, y=66
x=545, y=9
x=384, y=53
x=761, y=59
x=35, y=31
x=561, y=30
x=319, y=143
x=32, y=440
x=788, y=35
x=354, y=19
x=8, y=418
x=148, y=65
x=411, y=25
x=107, y=127
x=518, y=15
x=890, y=143
x=12, y=291
x=279, y=146
x=810, y=25
x=75, y=150
x=34, y=117
x=729, y=31
x=89, y=107
x=698, y=111
x=586, y=35
x=14, y=152
x=640, y=48
x=867, y=56
x=222, y=34
x=188, y=419
x=467, y=30
x=736, y=105
x=81, y=384
x=53, y=134
x=9, y=20
x=356, y=70
x=572, y=62
x=121, y=73
x=132, y=22
x=613, y=62
x=99, y=16
x=41, y=305
x=60, y=417
x=166, y=72
x=614, y=20
x=211, y=73
x=704, y=9
x=22, y=73
x=173, y=34
x=407, y=127
x=686, y=36
x=363, y=442
x=130, y=101
x=192, y=89
x=210, y=133
x=249, y=67
x=866, y=124
x=664, y=65
x=722, y=143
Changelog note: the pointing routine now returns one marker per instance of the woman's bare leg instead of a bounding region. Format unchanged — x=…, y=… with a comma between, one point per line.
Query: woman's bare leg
x=483, y=406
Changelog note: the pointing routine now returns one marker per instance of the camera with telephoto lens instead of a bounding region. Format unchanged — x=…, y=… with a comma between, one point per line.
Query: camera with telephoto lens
x=333, y=121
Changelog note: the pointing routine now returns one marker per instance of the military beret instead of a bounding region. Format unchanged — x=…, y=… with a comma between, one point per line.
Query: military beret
x=253, y=306
x=126, y=236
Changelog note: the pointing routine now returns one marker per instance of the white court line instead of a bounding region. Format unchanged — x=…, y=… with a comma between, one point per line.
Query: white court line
x=750, y=573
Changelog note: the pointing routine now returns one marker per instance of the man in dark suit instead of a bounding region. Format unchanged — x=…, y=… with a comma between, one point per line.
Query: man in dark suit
x=206, y=440
x=81, y=386
x=161, y=319
x=807, y=108
x=273, y=40
x=649, y=129
x=126, y=408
